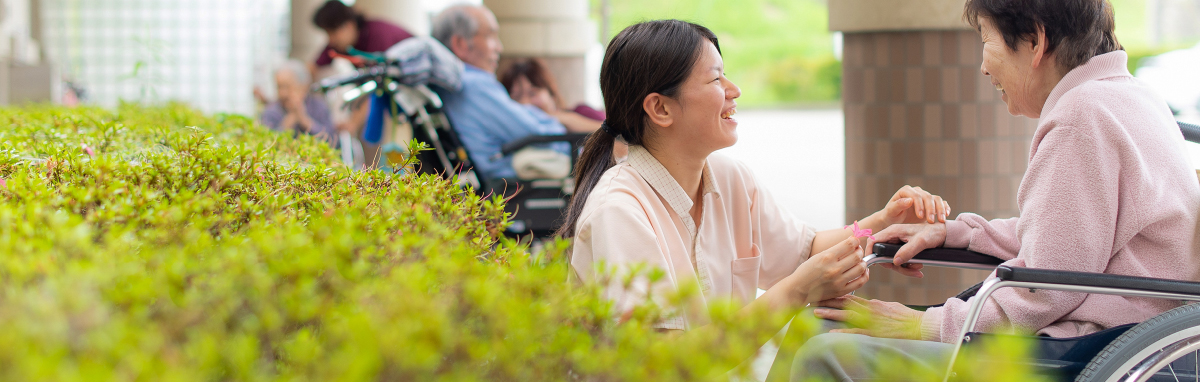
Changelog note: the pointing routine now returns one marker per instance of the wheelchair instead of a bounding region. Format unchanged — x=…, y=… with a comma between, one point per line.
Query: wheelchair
x=535, y=206
x=1164, y=348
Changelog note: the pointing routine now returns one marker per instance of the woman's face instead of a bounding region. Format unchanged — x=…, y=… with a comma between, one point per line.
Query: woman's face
x=288, y=88
x=343, y=37
x=1011, y=71
x=706, y=101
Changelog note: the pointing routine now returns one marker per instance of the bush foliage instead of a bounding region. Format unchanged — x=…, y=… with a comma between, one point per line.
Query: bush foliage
x=157, y=243
x=162, y=244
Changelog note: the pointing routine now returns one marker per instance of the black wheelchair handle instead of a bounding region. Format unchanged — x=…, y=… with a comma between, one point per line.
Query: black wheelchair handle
x=949, y=255
x=1099, y=280
x=575, y=139
x=1191, y=132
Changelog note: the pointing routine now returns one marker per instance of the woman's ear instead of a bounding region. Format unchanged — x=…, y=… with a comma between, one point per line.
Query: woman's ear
x=1038, y=42
x=657, y=109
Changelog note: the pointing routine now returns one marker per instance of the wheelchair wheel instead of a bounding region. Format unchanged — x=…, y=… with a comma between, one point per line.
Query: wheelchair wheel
x=1146, y=340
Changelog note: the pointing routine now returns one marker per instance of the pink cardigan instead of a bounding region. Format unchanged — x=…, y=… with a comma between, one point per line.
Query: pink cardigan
x=1108, y=189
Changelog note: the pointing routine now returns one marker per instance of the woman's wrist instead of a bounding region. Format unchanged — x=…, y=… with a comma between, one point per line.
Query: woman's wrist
x=795, y=289
x=875, y=222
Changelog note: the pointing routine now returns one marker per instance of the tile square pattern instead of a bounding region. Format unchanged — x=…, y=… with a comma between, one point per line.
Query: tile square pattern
x=207, y=53
x=919, y=112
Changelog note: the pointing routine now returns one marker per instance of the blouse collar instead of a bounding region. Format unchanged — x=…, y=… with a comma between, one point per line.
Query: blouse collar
x=657, y=176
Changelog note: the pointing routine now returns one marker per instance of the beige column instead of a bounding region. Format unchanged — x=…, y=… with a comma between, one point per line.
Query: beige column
x=408, y=14
x=307, y=39
x=919, y=112
x=558, y=31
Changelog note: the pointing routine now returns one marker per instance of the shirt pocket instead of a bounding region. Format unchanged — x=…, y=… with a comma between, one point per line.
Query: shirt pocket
x=745, y=277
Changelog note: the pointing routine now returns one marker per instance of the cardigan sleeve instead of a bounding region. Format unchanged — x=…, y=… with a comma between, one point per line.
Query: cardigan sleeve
x=1069, y=202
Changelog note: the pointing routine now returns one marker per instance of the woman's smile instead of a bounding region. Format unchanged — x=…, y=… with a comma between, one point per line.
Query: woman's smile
x=729, y=113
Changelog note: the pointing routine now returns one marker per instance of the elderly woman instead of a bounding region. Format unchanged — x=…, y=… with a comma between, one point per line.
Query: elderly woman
x=298, y=110
x=1108, y=189
x=530, y=82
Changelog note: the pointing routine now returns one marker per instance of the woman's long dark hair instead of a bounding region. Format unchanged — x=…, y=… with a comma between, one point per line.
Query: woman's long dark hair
x=650, y=57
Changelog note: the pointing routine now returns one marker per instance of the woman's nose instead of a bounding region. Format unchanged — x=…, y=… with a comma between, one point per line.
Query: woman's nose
x=983, y=69
x=732, y=91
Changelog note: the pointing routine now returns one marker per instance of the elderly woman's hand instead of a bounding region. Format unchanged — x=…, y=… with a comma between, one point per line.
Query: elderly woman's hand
x=916, y=238
x=873, y=317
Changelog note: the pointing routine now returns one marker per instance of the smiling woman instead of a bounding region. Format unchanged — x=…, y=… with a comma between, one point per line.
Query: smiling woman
x=700, y=218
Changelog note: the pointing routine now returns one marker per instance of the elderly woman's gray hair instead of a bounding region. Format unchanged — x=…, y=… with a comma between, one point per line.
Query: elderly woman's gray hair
x=455, y=21
x=297, y=69
x=1075, y=30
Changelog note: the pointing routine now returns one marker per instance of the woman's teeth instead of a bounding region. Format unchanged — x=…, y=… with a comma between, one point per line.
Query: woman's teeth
x=729, y=113
x=998, y=87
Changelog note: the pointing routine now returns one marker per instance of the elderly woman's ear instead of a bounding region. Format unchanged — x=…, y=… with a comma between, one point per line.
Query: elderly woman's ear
x=1040, y=56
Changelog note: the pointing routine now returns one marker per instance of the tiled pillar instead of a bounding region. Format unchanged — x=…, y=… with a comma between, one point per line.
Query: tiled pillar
x=558, y=31
x=919, y=112
x=408, y=14
x=307, y=39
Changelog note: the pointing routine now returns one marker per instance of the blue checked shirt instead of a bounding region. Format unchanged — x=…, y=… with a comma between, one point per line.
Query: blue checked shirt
x=486, y=118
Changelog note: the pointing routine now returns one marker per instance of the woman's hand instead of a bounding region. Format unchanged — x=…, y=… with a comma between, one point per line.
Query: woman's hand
x=873, y=317
x=912, y=205
x=835, y=272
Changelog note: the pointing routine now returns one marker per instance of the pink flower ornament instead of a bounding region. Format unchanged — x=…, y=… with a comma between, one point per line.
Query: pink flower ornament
x=864, y=232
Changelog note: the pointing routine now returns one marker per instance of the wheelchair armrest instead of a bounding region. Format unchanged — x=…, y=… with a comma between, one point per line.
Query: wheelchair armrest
x=575, y=139
x=1191, y=132
x=1099, y=280
x=947, y=257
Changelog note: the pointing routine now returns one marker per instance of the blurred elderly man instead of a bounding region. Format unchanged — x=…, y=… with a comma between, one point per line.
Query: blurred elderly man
x=482, y=113
x=297, y=110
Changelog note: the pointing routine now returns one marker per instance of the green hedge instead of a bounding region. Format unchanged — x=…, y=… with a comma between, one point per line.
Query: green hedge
x=187, y=247
x=157, y=243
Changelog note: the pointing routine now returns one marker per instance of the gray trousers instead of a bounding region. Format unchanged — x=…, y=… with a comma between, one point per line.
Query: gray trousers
x=854, y=357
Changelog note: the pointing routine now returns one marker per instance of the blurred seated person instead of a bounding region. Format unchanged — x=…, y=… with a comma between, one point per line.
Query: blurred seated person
x=482, y=112
x=529, y=82
x=347, y=28
x=297, y=110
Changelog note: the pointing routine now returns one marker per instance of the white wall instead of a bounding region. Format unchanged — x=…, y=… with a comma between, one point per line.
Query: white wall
x=207, y=53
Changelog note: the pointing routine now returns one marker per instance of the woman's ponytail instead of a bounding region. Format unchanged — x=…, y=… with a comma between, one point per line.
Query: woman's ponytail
x=597, y=157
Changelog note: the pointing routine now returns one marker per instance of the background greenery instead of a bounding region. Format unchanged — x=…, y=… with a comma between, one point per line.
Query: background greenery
x=781, y=53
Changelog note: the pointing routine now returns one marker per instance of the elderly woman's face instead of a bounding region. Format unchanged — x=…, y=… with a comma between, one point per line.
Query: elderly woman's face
x=1011, y=71
x=288, y=88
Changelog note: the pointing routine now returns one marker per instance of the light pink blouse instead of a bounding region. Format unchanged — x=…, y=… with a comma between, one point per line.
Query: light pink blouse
x=638, y=214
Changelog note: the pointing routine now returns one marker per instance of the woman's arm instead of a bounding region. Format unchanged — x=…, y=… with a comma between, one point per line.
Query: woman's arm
x=619, y=234
x=907, y=205
x=575, y=122
x=834, y=272
x=1072, y=201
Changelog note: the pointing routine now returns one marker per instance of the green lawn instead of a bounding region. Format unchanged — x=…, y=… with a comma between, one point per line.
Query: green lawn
x=778, y=51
